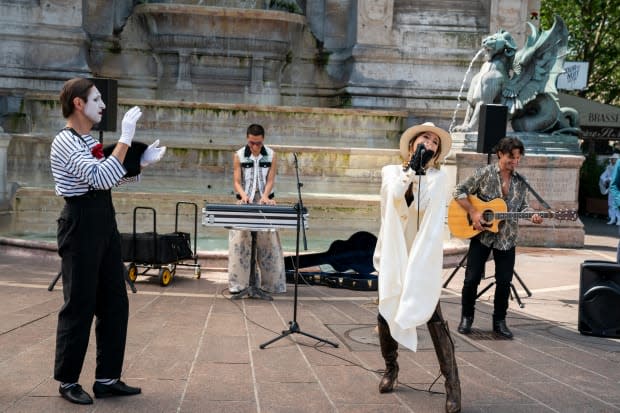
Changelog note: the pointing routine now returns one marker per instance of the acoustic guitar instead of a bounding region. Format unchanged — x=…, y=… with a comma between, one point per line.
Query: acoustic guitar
x=493, y=212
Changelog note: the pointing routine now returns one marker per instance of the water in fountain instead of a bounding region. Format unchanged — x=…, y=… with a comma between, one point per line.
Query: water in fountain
x=458, y=98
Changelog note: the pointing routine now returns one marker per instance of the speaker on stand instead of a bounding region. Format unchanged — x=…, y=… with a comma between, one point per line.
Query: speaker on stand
x=491, y=127
x=109, y=93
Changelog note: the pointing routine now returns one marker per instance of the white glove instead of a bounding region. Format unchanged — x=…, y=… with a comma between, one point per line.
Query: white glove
x=128, y=126
x=153, y=153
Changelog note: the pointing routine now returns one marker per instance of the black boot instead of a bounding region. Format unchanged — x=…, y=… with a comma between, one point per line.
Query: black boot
x=500, y=328
x=465, y=325
x=444, y=347
x=389, y=351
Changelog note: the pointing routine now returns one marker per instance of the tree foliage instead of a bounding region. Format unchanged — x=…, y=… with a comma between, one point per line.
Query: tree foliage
x=594, y=27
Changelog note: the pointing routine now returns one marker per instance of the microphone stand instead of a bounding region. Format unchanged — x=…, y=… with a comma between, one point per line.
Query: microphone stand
x=417, y=165
x=293, y=325
x=301, y=204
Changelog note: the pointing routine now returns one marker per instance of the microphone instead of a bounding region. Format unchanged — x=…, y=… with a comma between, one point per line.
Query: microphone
x=414, y=162
x=420, y=158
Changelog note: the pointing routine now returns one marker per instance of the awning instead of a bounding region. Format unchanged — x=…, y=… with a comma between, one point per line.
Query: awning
x=596, y=120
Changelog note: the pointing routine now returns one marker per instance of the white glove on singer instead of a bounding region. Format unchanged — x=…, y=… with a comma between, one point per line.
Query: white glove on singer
x=153, y=153
x=128, y=126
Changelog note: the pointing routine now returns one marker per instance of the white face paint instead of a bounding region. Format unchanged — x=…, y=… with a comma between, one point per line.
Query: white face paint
x=94, y=105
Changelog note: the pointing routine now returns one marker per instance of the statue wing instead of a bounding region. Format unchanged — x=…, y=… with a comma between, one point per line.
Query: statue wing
x=537, y=65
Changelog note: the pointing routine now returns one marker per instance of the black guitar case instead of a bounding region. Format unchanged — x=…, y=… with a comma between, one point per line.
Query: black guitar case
x=351, y=261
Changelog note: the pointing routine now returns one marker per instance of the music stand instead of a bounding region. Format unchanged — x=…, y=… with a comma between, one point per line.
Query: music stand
x=252, y=290
x=293, y=325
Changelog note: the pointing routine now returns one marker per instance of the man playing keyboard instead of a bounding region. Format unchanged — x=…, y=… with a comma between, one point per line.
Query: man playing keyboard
x=254, y=173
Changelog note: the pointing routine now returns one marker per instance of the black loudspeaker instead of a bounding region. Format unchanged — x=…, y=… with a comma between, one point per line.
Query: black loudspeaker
x=491, y=126
x=108, y=89
x=599, y=299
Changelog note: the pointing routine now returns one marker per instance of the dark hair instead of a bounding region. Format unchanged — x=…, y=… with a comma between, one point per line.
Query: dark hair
x=508, y=144
x=255, y=130
x=76, y=87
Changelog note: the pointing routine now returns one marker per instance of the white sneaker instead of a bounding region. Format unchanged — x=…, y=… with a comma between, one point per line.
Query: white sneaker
x=611, y=222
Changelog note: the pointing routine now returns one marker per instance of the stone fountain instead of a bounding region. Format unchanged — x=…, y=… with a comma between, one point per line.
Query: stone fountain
x=336, y=84
x=220, y=54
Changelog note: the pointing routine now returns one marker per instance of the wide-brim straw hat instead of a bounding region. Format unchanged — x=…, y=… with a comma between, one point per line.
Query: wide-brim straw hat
x=414, y=131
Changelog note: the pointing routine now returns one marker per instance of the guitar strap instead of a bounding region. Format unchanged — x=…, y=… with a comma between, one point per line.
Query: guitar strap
x=538, y=197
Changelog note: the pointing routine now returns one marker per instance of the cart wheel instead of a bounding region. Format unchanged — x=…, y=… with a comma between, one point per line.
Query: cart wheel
x=132, y=272
x=165, y=276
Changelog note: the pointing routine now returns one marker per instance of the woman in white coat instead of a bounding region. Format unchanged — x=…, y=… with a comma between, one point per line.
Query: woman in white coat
x=409, y=255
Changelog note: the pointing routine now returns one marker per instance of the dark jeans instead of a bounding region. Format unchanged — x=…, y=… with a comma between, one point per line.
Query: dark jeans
x=504, y=267
x=93, y=286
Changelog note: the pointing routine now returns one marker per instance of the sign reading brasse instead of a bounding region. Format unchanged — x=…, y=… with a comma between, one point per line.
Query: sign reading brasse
x=596, y=120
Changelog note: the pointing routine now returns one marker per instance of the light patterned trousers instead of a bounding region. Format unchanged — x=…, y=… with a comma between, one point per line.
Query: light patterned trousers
x=269, y=261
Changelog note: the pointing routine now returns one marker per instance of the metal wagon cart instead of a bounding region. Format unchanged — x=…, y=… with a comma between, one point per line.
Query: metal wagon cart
x=147, y=251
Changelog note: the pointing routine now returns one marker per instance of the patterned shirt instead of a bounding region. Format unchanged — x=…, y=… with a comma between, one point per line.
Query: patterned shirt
x=76, y=170
x=486, y=184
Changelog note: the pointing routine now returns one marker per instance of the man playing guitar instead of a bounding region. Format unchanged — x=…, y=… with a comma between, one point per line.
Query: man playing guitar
x=498, y=180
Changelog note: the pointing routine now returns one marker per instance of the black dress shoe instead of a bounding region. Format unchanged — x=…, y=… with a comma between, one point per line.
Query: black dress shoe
x=75, y=394
x=465, y=325
x=117, y=389
x=500, y=328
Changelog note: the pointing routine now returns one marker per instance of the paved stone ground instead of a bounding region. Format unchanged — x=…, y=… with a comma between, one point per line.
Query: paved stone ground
x=192, y=349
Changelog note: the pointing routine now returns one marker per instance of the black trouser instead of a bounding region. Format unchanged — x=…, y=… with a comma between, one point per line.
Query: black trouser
x=93, y=285
x=504, y=267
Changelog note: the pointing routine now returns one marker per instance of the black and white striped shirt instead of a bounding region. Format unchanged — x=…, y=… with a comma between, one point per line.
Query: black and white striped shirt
x=76, y=170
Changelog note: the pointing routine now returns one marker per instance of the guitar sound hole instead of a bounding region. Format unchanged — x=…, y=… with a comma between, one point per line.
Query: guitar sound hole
x=488, y=217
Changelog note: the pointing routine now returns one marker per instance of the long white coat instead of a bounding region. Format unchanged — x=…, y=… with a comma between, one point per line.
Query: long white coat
x=410, y=260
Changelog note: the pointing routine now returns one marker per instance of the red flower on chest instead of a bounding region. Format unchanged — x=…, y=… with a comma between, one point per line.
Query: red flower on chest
x=97, y=151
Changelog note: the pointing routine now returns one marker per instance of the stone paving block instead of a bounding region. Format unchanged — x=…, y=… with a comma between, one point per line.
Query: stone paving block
x=282, y=364
x=221, y=383
x=344, y=312
x=418, y=395
x=372, y=408
x=504, y=369
x=484, y=389
x=293, y=397
x=223, y=372
x=217, y=349
x=566, y=398
x=321, y=354
x=347, y=384
x=500, y=406
x=231, y=324
x=196, y=405
x=159, y=366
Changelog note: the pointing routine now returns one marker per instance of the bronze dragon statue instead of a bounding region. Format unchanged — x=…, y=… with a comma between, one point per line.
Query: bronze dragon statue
x=523, y=80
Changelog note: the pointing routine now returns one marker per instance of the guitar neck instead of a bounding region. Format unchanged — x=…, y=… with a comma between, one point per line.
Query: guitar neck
x=516, y=215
